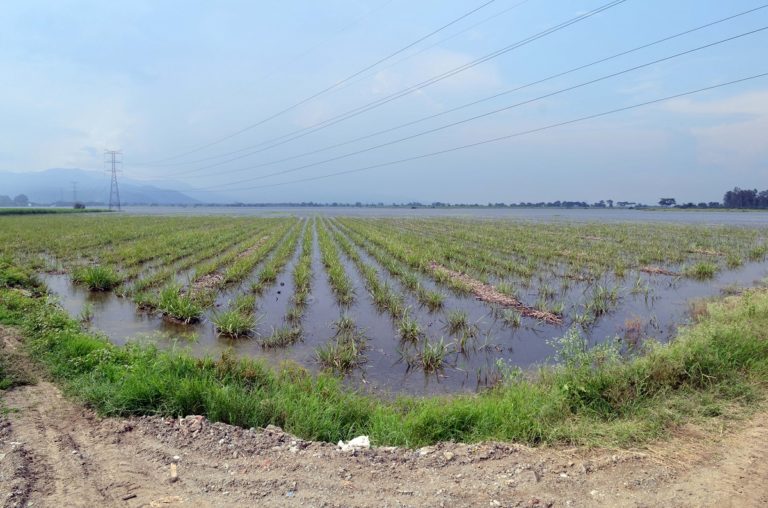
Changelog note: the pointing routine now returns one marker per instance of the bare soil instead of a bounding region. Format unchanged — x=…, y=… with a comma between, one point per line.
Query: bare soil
x=490, y=294
x=55, y=452
x=216, y=279
x=655, y=270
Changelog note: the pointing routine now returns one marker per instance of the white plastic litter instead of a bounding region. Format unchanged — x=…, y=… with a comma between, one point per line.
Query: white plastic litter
x=358, y=443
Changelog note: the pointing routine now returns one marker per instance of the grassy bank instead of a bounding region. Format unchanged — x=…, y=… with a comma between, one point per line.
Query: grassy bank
x=717, y=367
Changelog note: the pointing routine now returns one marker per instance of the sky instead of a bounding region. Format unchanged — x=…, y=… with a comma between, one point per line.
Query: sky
x=183, y=87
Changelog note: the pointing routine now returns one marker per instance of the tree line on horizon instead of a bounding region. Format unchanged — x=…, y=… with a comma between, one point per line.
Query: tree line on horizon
x=747, y=199
x=735, y=199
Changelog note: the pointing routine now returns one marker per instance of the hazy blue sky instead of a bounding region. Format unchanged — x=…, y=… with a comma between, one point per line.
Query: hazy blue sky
x=157, y=78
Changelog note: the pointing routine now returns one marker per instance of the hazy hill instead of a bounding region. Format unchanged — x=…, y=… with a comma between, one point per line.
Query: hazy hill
x=55, y=184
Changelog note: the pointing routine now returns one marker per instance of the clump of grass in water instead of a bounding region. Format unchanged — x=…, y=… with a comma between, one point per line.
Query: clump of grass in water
x=86, y=313
x=457, y=323
x=557, y=308
x=177, y=305
x=733, y=261
x=97, y=278
x=340, y=355
x=282, y=337
x=146, y=300
x=245, y=304
x=702, y=270
x=294, y=314
x=409, y=329
x=464, y=342
x=758, y=253
x=431, y=299
x=344, y=325
x=432, y=356
x=602, y=301
x=344, y=351
x=506, y=288
x=234, y=324
x=511, y=318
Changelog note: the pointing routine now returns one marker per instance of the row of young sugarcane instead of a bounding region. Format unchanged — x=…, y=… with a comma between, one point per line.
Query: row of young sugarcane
x=240, y=319
x=419, y=350
x=186, y=303
x=135, y=281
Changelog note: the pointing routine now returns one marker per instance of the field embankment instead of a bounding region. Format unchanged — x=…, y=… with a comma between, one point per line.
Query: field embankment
x=57, y=452
x=596, y=396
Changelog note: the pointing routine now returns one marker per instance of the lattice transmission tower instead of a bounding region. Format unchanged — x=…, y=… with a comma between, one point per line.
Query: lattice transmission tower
x=112, y=157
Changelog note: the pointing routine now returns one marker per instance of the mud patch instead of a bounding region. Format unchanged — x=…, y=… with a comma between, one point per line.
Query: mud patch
x=490, y=294
x=214, y=280
x=206, y=283
x=656, y=270
x=705, y=252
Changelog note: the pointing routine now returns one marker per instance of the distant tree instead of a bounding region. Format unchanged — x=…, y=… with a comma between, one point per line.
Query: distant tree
x=714, y=204
x=667, y=202
x=745, y=198
x=5, y=200
x=762, y=199
x=703, y=205
x=21, y=200
x=610, y=203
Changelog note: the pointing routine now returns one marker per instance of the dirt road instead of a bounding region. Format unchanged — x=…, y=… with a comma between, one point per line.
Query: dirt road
x=54, y=452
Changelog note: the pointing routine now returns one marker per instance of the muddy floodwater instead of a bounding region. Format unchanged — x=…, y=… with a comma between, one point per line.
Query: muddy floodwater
x=656, y=312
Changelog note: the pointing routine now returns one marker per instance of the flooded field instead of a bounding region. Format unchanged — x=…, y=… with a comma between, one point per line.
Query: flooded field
x=676, y=216
x=396, y=305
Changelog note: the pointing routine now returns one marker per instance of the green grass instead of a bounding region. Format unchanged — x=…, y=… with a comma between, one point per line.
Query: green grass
x=432, y=356
x=97, y=278
x=282, y=337
x=511, y=318
x=13, y=275
x=409, y=330
x=340, y=354
x=174, y=303
x=456, y=321
x=232, y=323
x=719, y=366
x=702, y=270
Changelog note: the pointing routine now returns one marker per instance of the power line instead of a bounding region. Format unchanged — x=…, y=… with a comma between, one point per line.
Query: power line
x=340, y=30
x=510, y=136
x=469, y=104
x=493, y=112
x=437, y=43
x=331, y=87
x=397, y=62
x=299, y=133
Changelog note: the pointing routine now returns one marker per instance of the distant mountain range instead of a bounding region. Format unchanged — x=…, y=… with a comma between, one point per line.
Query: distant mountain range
x=55, y=185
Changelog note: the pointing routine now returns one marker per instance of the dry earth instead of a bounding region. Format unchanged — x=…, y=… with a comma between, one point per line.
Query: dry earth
x=54, y=452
